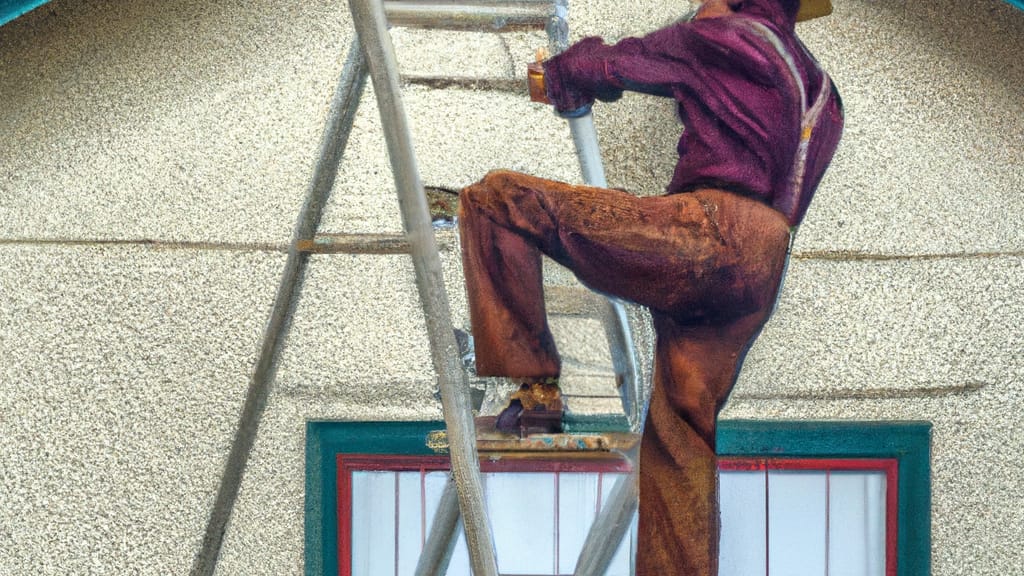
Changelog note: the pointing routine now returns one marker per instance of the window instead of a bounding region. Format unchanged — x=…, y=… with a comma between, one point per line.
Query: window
x=541, y=509
x=808, y=516
x=814, y=498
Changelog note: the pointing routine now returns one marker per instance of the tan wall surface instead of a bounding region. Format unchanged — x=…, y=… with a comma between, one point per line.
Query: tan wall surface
x=183, y=135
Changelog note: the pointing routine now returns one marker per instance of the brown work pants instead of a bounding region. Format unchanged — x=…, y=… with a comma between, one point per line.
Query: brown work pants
x=707, y=264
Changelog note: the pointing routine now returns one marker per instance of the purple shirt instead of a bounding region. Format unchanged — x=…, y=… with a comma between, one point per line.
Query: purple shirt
x=736, y=98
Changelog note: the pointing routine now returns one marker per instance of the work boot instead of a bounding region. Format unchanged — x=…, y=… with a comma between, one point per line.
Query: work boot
x=536, y=408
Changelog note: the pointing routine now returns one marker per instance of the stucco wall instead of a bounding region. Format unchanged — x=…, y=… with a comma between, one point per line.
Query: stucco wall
x=155, y=157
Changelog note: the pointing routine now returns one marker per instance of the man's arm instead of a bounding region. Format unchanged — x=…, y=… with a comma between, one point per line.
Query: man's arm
x=686, y=54
x=581, y=74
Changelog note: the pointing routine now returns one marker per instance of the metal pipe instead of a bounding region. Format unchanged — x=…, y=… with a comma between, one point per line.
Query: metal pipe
x=468, y=15
x=615, y=518
x=584, y=137
x=444, y=531
x=609, y=527
x=371, y=27
x=624, y=361
x=620, y=337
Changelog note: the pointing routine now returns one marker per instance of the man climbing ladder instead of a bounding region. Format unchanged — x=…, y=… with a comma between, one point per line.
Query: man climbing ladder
x=762, y=121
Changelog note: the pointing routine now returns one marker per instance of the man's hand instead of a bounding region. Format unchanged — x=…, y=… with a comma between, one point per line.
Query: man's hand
x=535, y=78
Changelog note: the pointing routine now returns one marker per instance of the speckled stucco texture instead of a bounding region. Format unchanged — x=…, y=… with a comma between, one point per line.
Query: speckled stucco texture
x=122, y=375
x=195, y=125
x=124, y=365
x=459, y=136
x=180, y=120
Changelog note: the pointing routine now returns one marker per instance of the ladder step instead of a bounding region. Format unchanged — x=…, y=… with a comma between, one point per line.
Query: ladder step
x=511, y=85
x=488, y=440
x=480, y=15
x=364, y=244
x=573, y=301
x=508, y=444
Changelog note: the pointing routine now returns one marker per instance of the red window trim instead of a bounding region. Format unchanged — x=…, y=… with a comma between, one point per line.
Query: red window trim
x=349, y=463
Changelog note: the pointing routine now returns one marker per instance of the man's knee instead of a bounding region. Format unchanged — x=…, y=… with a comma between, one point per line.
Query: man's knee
x=500, y=179
x=493, y=180
x=483, y=192
x=695, y=407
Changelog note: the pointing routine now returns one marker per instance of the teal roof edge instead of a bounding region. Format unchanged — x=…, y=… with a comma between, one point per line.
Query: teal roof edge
x=11, y=9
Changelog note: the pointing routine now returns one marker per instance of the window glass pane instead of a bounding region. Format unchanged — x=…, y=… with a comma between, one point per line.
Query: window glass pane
x=410, y=522
x=577, y=508
x=796, y=523
x=522, y=513
x=813, y=517
x=857, y=524
x=373, y=523
x=744, y=525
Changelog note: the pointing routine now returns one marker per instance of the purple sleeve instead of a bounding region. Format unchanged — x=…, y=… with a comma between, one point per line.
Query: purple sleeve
x=570, y=76
x=683, y=54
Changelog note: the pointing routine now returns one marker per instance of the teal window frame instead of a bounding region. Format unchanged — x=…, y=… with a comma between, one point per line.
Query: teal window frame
x=909, y=443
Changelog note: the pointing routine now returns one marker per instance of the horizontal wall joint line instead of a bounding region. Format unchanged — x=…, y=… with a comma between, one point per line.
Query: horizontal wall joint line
x=148, y=243
x=867, y=393
x=856, y=256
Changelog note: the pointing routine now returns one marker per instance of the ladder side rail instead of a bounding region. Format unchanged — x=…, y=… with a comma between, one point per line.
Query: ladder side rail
x=332, y=146
x=614, y=318
x=444, y=531
x=610, y=527
x=371, y=28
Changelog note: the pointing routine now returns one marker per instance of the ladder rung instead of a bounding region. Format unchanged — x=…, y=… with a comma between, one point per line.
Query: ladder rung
x=480, y=15
x=362, y=244
x=573, y=301
x=506, y=444
x=513, y=85
x=355, y=244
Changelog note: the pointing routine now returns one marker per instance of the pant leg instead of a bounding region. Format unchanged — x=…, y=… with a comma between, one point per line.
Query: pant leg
x=692, y=256
x=696, y=364
x=695, y=369
x=615, y=242
x=707, y=264
x=504, y=283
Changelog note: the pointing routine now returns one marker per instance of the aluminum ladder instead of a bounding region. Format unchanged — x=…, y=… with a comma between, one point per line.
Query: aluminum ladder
x=372, y=54
x=464, y=494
